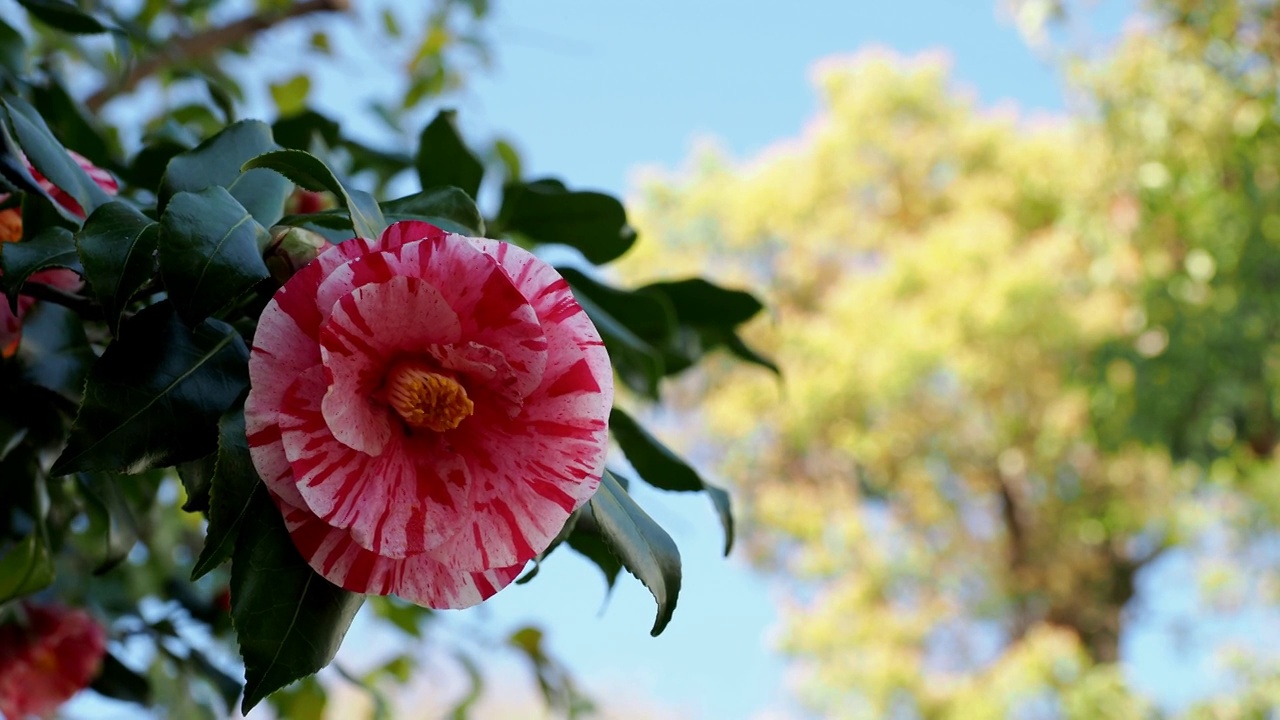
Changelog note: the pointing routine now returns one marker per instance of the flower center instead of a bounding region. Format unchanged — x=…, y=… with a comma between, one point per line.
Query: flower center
x=426, y=399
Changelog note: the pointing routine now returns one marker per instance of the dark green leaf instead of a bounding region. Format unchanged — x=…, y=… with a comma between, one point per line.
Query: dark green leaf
x=235, y=483
x=299, y=132
x=65, y=16
x=648, y=315
x=210, y=252
x=196, y=476
x=699, y=302
x=68, y=121
x=638, y=364
x=154, y=397
x=289, y=621
x=447, y=207
x=594, y=223
x=219, y=161
x=55, y=353
x=53, y=247
x=47, y=155
x=309, y=172
x=13, y=50
x=663, y=469
x=117, y=248
x=119, y=681
x=643, y=547
x=110, y=518
x=444, y=159
x=587, y=540
x=25, y=568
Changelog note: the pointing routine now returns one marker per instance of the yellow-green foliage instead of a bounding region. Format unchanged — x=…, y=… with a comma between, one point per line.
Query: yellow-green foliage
x=1022, y=358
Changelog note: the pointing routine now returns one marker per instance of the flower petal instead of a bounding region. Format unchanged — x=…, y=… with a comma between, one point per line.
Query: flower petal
x=419, y=579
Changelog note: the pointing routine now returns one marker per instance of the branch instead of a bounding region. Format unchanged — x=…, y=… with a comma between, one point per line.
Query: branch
x=83, y=306
x=205, y=43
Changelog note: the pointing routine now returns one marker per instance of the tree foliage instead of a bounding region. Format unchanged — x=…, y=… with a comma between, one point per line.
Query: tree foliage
x=1025, y=360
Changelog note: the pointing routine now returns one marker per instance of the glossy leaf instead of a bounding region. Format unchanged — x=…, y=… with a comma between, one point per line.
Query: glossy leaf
x=154, y=397
x=47, y=155
x=210, y=252
x=642, y=546
x=219, y=161
x=53, y=247
x=309, y=172
x=234, y=485
x=448, y=208
x=592, y=222
x=117, y=248
x=444, y=159
x=289, y=621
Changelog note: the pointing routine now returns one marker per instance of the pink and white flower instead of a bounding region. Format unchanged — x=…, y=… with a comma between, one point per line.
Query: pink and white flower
x=426, y=410
x=48, y=658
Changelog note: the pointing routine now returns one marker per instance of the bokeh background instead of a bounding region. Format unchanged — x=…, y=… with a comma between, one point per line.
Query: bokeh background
x=1021, y=266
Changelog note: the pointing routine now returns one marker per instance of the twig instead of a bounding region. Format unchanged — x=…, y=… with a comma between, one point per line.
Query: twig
x=83, y=306
x=202, y=44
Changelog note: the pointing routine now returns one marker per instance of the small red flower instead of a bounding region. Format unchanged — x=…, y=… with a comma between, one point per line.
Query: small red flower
x=11, y=231
x=43, y=662
x=427, y=409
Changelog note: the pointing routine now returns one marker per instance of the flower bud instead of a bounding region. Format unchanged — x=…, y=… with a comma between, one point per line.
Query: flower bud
x=291, y=248
x=305, y=202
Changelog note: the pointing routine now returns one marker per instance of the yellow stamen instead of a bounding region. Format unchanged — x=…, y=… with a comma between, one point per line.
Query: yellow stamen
x=426, y=399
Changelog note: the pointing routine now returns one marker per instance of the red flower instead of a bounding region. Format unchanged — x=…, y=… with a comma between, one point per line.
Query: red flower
x=427, y=409
x=11, y=231
x=45, y=661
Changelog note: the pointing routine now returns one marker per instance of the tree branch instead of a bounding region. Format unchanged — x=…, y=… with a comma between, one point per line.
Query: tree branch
x=203, y=44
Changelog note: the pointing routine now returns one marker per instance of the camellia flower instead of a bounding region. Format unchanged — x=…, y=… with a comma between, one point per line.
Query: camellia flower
x=47, y=659
x=11, y=231
x=426, y=410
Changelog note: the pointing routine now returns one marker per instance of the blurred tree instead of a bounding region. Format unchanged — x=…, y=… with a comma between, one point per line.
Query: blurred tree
x=1023, y=360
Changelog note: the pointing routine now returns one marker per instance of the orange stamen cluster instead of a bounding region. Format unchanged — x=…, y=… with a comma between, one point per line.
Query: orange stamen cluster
x=426, y=399
x=10, y=225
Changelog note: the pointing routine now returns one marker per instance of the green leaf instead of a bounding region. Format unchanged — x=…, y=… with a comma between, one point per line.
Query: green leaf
x=13, y=50
x=304, y=700
x=119, y=681
x=53, y=247
x=110, y=518
x=154, y=397
x=227, y=687
x=638, y=364
x=69, y=122
x=444, y=159
x=65, y=16
x=210, y=252
x=734, y=344
x=299, y=132
x=291, y=96
x=309, y=172
x=55, y=354
x=592, y=222
x=233, y=488
x=47, y=155
x=587, y=540
x=117, y=248
x=665, y=470
x=196, y=476
x=448, y=208
x=219, y=161
x=289, y=621
x=26, y=568
x=643, y=547
x=699, y=302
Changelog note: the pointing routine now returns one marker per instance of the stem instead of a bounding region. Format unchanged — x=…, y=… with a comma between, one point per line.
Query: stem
x=205, y=43
x=83, y=306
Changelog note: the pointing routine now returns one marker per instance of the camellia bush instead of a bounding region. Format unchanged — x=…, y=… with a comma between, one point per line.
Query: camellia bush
x=239, y=396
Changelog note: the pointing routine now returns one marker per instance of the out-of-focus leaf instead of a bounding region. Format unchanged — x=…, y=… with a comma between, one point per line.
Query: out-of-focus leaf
x=53, y=247
x=210, y=252
x=643, y=547
x=291, y=96
x=593, y=223
x=309, y=172
x=55, y=353
x=117, y=248
x=448, y=207
x=119, y=681
x=304, y=700
x=219, y=161
x=289, y=621
x=231, y=493
x=700, y=302
x=444, y=159
x=26, y=568
x=65, y=16
x=110, y=517
x=13, y=50
x=298, y=132
x=154, y=397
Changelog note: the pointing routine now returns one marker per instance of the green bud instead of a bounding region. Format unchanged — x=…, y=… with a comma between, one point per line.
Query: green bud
x=291, y=248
